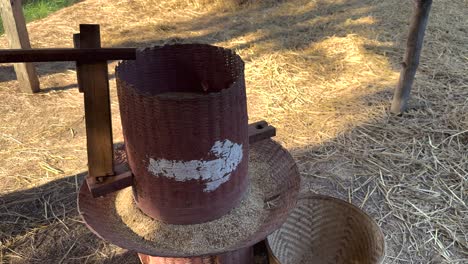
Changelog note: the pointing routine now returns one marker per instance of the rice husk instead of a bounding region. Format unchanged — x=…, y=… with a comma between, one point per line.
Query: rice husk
x=242, y=222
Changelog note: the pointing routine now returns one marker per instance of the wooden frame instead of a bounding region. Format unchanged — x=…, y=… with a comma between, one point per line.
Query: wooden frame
x=93, y=81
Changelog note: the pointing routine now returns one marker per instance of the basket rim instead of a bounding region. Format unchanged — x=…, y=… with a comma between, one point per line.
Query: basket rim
x=237, y=83
x=314, y=196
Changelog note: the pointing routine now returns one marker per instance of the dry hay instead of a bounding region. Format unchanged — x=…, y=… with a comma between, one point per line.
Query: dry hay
x=243, y=221
x=321, y=71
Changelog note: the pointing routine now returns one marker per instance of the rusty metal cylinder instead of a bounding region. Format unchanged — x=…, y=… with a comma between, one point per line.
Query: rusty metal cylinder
x=184, y=120
x=241, y=256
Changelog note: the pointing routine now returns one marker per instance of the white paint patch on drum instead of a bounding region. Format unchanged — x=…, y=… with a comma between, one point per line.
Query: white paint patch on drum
x=213, y=172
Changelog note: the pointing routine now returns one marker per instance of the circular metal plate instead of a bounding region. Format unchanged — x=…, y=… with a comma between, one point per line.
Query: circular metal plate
x=273, y=176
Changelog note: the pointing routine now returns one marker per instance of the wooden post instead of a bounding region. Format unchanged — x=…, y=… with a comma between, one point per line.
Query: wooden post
x=97, y=107
x=15, y=29
x=76, y=45
x=413, y=52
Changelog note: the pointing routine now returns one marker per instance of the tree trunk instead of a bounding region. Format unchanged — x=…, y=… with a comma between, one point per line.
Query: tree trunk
x=413, y=52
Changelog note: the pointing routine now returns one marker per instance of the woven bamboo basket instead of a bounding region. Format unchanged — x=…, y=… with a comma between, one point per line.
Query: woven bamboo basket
x=184, y=112
x=322, y=229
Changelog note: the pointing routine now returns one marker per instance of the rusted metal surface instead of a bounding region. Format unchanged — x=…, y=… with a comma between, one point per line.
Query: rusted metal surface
x=184, y=120
x=241, y=256
x=260, y=131
x=279, y=173
x=66, y=54
x=124, y=178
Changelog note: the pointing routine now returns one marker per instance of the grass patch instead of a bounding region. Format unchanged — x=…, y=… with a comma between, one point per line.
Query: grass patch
x=37, y=9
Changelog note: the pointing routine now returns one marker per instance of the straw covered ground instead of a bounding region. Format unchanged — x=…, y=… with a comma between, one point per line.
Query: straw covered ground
x=321, y=71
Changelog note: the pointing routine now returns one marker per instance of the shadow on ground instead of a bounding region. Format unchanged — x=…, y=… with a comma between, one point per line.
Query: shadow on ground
x=378, y=166
x=412, y=164
x=42, y=225
x=269, y=28
x=278, y=32
x=7, y=73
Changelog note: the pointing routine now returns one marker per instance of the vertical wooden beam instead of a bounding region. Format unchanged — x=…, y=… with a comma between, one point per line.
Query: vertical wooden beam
x=15, y=28
x=94, y=82
x=76, y=45
x=413, y=53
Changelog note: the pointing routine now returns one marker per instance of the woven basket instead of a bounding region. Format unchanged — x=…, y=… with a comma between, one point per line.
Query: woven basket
x=184, y=120
x=325, y=230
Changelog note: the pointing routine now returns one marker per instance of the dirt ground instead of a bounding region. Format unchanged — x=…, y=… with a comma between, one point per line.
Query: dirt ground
x=322, y=72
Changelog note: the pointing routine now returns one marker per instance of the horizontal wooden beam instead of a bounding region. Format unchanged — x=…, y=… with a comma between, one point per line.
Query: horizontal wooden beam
x=110, y=184
x=65, y=54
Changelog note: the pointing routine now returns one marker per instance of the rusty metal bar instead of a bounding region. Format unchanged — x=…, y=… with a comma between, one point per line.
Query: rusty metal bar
x=260, y=130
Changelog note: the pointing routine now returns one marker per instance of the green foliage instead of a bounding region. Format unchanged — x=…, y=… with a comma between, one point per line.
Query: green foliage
x=37, y=9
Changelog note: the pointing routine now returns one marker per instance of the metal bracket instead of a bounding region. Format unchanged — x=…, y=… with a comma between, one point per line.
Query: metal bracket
x=260, y=130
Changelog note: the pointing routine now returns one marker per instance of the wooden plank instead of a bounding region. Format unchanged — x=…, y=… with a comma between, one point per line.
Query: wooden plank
x=122, y=179
x=65, y=54
x=95, y=84
x=109, y=184
x=412, y=55
x=17, y=34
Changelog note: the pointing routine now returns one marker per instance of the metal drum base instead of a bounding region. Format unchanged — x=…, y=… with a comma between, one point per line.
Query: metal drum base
x=241, y=256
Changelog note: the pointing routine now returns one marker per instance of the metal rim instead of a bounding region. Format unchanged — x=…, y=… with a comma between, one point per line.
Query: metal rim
x=100, y=218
